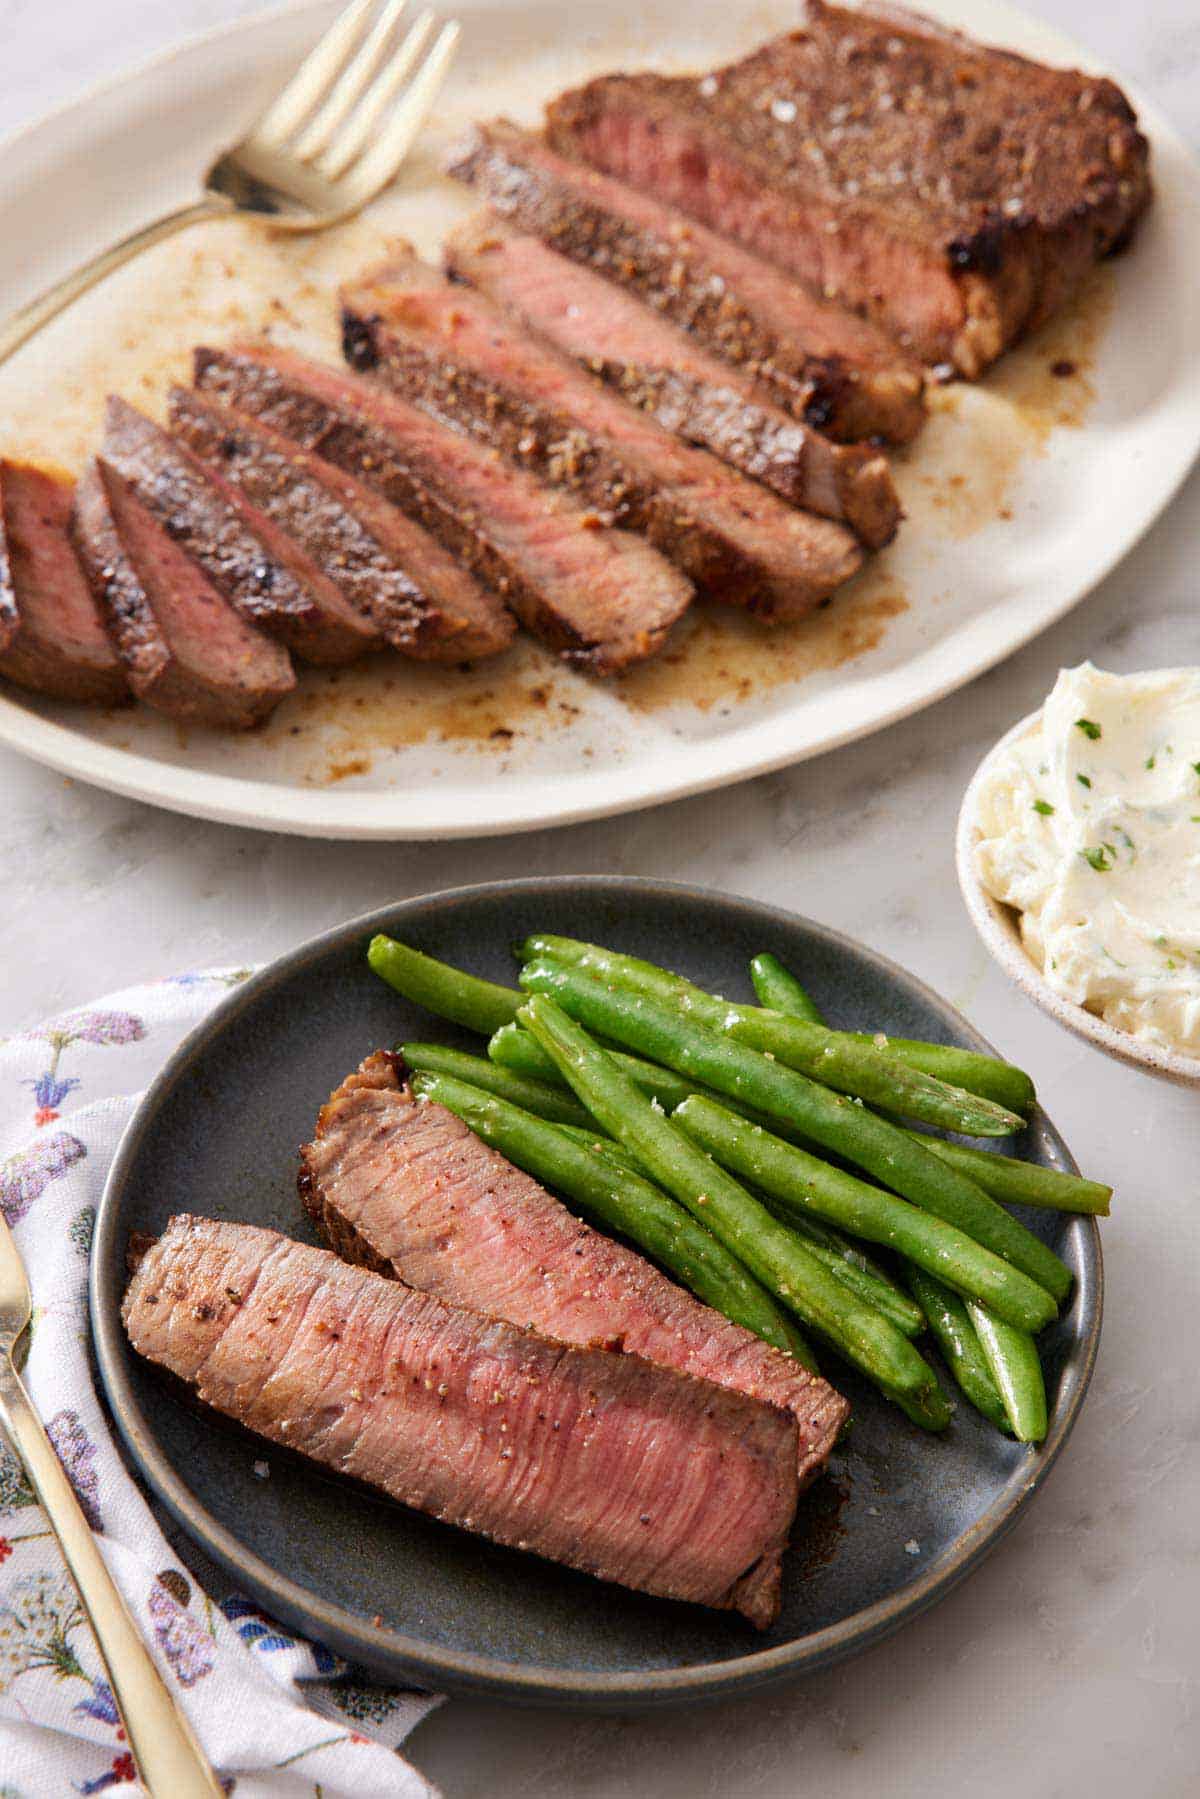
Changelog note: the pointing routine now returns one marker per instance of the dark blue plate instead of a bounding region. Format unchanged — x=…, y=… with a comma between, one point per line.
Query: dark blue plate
x=902, y=1517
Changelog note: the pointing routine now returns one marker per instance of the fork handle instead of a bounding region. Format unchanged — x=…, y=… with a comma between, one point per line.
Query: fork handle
x=170, y=1761
x=22, y=325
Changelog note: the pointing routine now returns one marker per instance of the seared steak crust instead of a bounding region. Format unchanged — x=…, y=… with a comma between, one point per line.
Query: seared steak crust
x=413, y=592
x=818, y=361
x=604, y=1462
x=694, y=397
x=407, y=1188
x=185, y=650
x=52, y=636
x=952, y=192
x=600, y=597
x=261, y=572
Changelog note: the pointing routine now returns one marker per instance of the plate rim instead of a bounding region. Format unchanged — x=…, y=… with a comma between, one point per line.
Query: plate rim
x=333, y=813
x=391, y=1651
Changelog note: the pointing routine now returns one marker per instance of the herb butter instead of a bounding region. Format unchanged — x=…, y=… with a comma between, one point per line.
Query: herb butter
x=1090, y=828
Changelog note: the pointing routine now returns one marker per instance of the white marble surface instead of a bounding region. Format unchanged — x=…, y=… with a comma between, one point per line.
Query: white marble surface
x=1071, y=1662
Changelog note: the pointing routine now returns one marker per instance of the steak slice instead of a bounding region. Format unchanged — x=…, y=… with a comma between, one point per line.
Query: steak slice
x=953, y=192
x=407, y=1188
x=689, y=394
x=456, y=356
x=415, y=594
x=604, y=1462
x=52, y=636
x=820, y=362
x=185, y=650
x=261, y=572
x=602, y=598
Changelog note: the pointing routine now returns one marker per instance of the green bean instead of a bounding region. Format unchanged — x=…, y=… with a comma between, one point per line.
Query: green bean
x=479, y=1005
x=603, y=1145
x=955, y=1335
x=1022, y=1183
x=623, y=1201
x=772, y=1253
x=843, y=1258
x=831, y=1248
x=840, y=1125
x=1013, y=1359
x=533, y=1096
x=520, y=1050
x=802, y=1183
x=987, y=1076
x=834, y=1058
x=779, y=990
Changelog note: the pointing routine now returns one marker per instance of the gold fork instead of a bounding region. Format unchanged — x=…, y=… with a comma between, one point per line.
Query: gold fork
x=171, y=1763
x=331, y=141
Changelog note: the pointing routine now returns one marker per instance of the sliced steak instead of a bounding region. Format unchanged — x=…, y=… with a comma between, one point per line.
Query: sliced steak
x=455, y=355
x=407, y=1188
x=952, y=192
x=52, y=636
x=819, y=361
x=689, y=394
x=246, y=556
x=415, y=594
x=601, y=1461
x=602, y=598
x=186, y=651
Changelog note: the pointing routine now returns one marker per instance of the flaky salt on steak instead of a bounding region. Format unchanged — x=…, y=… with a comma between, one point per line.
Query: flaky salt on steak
x=822, y=363
x=407, y=1188
x=952, y=192
x=601, y=1461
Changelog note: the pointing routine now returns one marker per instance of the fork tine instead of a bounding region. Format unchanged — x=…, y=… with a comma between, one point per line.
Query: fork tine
x=352, y=139
x=356, y=76
x=312, y=80
x=379, y=165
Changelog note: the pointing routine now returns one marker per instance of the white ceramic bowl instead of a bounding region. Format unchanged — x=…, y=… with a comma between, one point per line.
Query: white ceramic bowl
x=999, y=927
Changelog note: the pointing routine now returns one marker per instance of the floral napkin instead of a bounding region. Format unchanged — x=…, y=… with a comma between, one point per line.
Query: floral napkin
x=278, y=1716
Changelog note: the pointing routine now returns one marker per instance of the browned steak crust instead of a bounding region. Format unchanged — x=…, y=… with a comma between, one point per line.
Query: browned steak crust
x=600, y=597
x=820, y=362
x=953, y=192
x=185, y=650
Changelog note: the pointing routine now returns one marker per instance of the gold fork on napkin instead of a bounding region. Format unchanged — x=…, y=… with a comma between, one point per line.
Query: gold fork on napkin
x=170, y=1762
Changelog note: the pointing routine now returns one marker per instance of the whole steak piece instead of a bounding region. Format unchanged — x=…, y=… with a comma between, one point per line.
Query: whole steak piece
x=407, y=1188
x=601, y=1461
x=52, y=635
x=952, y=192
